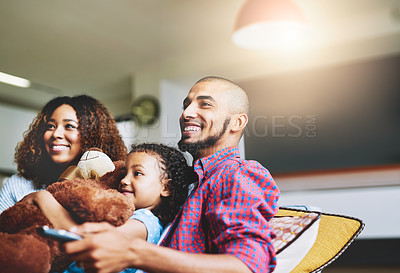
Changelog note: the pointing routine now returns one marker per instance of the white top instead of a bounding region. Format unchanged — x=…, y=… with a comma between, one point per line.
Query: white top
x=14, y=189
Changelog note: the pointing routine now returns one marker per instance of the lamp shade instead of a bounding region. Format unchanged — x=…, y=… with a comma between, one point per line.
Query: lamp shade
x=261, y=23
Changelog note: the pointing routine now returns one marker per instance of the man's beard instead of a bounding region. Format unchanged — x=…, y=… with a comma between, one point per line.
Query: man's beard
x=196, y=147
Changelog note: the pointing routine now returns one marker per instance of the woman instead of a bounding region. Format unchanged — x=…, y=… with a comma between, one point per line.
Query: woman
x=64, y=129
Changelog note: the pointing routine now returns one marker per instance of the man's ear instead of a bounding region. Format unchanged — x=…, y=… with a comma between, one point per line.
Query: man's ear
x=239, y=122
x=164, y=191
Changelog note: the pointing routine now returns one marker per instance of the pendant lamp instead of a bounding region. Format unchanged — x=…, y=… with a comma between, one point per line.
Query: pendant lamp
x=263, y=24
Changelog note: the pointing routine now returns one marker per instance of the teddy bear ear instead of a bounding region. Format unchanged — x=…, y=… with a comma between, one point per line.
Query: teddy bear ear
x=93, y=175
x=95, y=160
x=95, y=149
x=70, y=173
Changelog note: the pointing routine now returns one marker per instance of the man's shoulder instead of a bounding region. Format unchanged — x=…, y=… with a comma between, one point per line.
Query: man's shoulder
x=238, y=162
x=241, y=168
x=229, y=160
x=253, y=164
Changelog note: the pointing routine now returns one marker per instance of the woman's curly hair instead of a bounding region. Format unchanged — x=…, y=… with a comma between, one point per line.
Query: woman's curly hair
x=180, y=176
x=97, y=128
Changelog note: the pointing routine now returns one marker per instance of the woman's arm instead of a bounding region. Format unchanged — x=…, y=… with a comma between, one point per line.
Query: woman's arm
x=57, y=215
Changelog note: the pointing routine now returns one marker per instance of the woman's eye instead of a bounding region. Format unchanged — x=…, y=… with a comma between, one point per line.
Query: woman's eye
x=70, y=126
x=49, y=126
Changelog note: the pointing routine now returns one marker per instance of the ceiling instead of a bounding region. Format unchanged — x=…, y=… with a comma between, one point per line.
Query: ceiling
x=98, y=46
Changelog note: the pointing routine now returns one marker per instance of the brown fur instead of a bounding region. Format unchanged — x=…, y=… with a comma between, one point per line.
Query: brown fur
x=23, y=250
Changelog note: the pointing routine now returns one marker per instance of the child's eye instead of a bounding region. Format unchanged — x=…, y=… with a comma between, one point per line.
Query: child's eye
x=137, y=173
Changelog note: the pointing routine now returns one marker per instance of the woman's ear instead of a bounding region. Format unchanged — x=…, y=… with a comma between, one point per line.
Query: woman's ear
x=240, y=122
x=164, y=190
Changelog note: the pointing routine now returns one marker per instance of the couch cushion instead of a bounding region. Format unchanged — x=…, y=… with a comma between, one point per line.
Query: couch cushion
x=295, y=235
x=334, y=233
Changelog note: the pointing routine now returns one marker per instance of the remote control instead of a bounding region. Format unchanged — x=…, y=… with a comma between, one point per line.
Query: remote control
x=58, y=234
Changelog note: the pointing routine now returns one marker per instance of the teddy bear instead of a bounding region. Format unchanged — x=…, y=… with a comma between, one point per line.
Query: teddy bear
x=88, y=191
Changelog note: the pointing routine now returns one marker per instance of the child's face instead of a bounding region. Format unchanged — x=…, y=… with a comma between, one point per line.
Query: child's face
x=144, y=180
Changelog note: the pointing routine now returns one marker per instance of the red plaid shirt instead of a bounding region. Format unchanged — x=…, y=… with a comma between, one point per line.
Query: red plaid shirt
x=228, y=211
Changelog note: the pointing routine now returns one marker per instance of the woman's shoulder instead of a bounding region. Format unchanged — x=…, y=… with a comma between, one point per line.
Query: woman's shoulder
x=18, y=182
x=13, y=190
x=18, y=179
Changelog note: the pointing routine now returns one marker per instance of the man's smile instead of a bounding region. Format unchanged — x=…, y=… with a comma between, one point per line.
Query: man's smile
x=191, y=128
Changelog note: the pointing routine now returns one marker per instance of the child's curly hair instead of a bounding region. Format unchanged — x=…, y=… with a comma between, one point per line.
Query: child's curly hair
x=175, y=168
x=97, y=128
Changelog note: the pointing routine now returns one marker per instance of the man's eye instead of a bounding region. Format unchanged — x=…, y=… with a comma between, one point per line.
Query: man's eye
x=205, y=104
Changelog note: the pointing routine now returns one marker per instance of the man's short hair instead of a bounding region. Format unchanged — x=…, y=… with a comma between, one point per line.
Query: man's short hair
x=238, y=100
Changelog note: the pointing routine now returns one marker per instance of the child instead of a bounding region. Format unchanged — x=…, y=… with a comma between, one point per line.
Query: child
x=157, y=179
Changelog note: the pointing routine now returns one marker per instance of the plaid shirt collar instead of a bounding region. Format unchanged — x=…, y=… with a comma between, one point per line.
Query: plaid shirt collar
x=206, y=165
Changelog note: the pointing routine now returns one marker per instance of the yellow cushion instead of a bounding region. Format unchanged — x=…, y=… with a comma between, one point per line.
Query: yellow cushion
x=335, y=234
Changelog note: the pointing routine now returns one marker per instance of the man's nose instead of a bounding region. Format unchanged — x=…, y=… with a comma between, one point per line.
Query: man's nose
x=189, y=112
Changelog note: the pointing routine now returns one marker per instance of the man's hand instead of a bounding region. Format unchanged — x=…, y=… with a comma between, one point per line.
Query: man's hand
x=103, y=249
x=87, y=229
x=106, y=249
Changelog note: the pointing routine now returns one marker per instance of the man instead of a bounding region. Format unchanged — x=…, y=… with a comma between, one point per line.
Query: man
x=223, y=226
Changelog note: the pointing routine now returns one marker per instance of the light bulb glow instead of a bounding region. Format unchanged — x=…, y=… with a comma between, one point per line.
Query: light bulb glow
x=13, y=80
x=265, y=35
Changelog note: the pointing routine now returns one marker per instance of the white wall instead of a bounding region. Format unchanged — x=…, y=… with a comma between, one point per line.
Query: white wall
x=14, y=122
x=378, y=207
x=172, y=96
x=127, y=129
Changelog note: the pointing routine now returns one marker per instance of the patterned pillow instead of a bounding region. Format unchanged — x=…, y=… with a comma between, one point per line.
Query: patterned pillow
x=328, y=234
x=295, y=235
x=288, y=228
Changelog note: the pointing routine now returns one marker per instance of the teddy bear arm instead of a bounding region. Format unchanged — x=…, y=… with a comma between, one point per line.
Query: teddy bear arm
x=21, y=216
x=87, y=204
